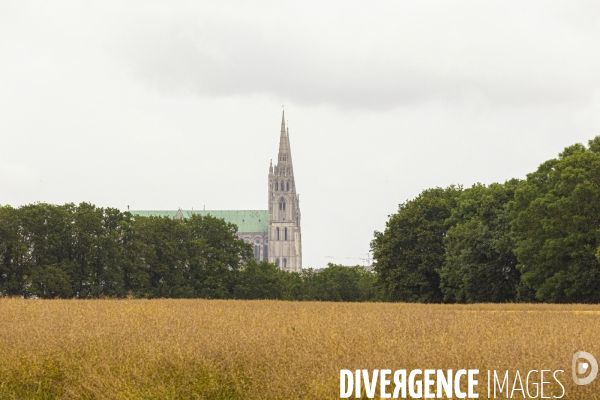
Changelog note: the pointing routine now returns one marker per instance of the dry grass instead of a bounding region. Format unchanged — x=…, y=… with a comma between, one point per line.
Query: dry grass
x=173, y=349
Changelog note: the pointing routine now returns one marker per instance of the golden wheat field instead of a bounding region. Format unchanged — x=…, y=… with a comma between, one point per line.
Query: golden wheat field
x=207, y=349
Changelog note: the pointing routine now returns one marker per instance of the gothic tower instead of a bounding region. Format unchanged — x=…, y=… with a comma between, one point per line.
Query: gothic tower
x=285, y=239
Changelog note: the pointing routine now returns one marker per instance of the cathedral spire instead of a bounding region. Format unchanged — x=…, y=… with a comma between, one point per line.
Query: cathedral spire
x=285, y=239
x=285, y=155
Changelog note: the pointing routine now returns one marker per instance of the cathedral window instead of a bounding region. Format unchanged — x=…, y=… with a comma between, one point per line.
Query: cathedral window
x=276, y=186
x=287, y=186
x=277, y=261
x=282, y=187
x=284, y=263
x=266, y=253
x=277, y=235
x=285, y=234
x=282, y=204
x=257, y=253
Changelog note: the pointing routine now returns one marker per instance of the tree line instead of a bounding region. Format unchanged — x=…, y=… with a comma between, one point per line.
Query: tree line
x=84, y=251
x=536, y=239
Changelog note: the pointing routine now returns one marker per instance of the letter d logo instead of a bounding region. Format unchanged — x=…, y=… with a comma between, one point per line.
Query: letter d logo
x=582, y=367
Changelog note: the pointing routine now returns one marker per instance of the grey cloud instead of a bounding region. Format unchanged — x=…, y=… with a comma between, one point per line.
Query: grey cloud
x=384, y=69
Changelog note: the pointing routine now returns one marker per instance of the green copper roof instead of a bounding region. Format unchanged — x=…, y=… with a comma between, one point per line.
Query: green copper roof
x=246, y=220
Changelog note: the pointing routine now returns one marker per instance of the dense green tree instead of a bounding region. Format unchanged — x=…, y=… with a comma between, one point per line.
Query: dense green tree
x=216, y=256
x=88, y=252
x=195, y=257
x=81, y=241
x=480, y=265
x=339, y=283
x=556, y=219
x=335, y=283
x=293, y=286
x=50, y=282
x=410, y=251
x=95, y=253
x=14, y=254
x=160, y=253
x=46, y=228
x=134, y=270
x=84, y=251
x=262, y=280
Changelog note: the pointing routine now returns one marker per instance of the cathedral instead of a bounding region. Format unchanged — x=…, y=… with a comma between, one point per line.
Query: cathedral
x=274, y=233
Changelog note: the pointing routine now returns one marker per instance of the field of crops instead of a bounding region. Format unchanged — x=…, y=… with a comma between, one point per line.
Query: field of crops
x=174, y=349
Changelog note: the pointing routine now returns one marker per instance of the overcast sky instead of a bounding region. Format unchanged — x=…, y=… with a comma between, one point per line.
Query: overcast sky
x=161, y=105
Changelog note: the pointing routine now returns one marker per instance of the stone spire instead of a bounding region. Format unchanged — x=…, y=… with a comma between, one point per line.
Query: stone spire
x=284, y=144
x=285, y=239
